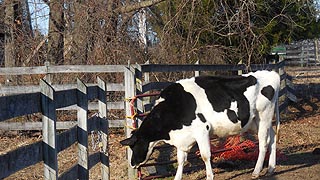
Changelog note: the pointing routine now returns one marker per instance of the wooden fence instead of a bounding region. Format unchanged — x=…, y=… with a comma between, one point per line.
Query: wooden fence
x=48, y=71
x=46, y=102
x=303, y=53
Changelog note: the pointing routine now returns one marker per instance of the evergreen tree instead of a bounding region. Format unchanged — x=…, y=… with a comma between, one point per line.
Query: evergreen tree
x=230, y=31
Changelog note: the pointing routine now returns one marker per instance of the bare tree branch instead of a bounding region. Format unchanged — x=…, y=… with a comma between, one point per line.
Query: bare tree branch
x=136, y=6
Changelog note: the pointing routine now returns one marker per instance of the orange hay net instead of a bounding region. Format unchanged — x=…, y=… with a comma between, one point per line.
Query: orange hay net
x=238, y=148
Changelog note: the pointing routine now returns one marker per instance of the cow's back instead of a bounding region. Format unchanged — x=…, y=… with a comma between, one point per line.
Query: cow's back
x=230, y=103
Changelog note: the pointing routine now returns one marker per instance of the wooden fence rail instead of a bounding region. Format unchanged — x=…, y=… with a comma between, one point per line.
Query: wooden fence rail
x=62, y=89
x=46, y=103
x=303, y=53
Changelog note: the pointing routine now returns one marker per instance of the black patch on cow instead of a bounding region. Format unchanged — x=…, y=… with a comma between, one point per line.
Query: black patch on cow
x=176, y=110
x=221, y=91
x=202, y=118
x=207, y=127
x=268, y=92
x=232, y=116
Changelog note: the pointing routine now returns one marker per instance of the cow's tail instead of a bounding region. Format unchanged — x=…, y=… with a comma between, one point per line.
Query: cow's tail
x=277, y=119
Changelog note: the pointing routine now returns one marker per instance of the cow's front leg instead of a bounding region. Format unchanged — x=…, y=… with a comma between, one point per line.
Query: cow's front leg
x=182, y=158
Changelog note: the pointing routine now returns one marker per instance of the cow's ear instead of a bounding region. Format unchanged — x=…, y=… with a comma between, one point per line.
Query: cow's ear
x=129, y=141
x=173, y=91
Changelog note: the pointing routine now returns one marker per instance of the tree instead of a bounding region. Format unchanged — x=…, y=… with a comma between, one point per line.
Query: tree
x=229, y=31
x=95, y=32
x=9, y=50
x=16, y=33
x=56, y=32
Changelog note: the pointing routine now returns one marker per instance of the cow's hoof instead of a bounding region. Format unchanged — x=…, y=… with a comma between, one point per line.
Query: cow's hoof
x=254, y=176
x=269, y=173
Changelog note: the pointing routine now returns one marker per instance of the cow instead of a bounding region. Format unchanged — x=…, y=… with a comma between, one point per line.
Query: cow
x=192, y=110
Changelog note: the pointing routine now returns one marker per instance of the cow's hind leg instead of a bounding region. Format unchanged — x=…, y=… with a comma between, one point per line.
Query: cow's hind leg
x=182, y=158
x=263, y=133
x=272, y=148
x=204, y=147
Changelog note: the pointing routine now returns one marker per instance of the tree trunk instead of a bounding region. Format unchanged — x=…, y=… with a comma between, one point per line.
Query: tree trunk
x=80, y=32
x=9, y=49
x=26, y=17
x=56, y=32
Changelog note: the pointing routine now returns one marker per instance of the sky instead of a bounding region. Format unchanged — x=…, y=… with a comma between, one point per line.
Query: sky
x=39, y=15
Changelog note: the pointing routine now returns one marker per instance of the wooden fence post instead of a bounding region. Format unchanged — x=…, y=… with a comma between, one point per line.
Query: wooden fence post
x=104, y=155
x=283, y=83
x=82, y=135
x=197, y=73
x=302, y=55
x=49, y=131
x=316, y=50
x=139, y=90
x=47, y=76
x=129, y=92
x=146, y=75
x=240, y=72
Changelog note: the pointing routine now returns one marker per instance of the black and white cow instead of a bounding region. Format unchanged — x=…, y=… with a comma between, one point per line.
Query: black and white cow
x=191, y=110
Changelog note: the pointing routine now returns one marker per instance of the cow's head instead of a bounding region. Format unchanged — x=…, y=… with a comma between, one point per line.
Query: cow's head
x=141, y=149
x=158, y=123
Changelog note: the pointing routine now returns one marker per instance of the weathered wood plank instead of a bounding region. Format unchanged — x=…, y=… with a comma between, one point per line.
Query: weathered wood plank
x=282, y=91
x=103, y=127
x=255, y=67
x=20, y=158
x=129, y=92
x=49, y=131
x=66, y=139
x=202, y=67
x=82, y=130
x=155, y=86
x=62, y=69
x=94, y=106
x=9, y=90
x=92, y=92
x=65, y=98
x=86, y=69
x=19, y=105
x=93, y=123
x=71, y=173
x=138, y=85
x=283, y=106
x=27, y=126
x=94, y=159
x=23, y=70
x=189, y=67
x=116, y=123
